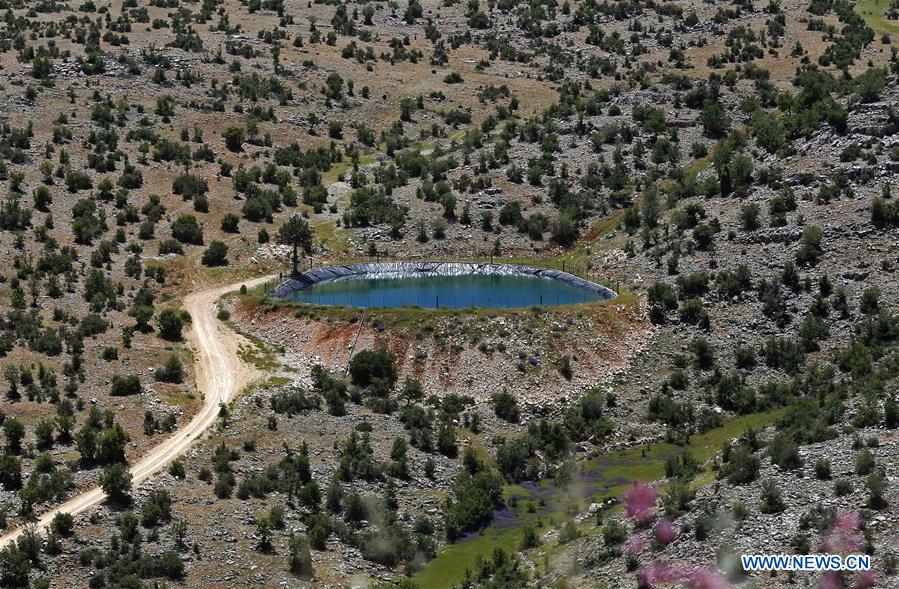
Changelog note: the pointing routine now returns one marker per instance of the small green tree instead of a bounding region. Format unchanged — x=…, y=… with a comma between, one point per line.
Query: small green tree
x=142, y=315
x=116, y=483
x=530, y=538
x=172, y=371
x=333, y=89
x=42, y=198
x=703, y=353
x=810, y=246
x=749, y=216
x=234, y=138
x=186, y=230
x=44, y=431
x=190, y=186
x=229, y=223
x=179, y=530
x=864, y=462
x=15, y=567
x=171, y=324
x=110, y=445
x=300, y=560
x=505, y=406
x=124, y=385
x=714, y=119
x=297, y=234
x=369, y=365
x=772, y=500
x=613, y=533
x=216, y=254
x=264, y=532
x=565, y=230
x=63, y=524
x=869, y=303
x=890, y=413
x=10, y=472
x=877, y=486
x=743, y=466
x=14, y=430
x=870, y=83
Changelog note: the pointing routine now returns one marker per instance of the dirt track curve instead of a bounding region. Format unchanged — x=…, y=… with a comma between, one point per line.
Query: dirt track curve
x=220, y=375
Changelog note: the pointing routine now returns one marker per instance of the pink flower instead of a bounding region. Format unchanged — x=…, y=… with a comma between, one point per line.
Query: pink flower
x=866, y=579
x=844, y=537
x=707, y=579
x=830, y=580
x=666, y=532
x=659, y=573
x=641, y=502
x=847, y=521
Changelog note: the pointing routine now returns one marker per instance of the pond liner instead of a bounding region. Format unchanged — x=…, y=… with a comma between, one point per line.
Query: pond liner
x=411, y=269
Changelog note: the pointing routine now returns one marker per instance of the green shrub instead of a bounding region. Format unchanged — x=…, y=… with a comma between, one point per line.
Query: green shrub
x=475, y=497
x=116, y=483
x=842, y=487
x=172, y=371
x=216, y=254
x=171, y=323
x=230, y=222
x=743, y=466
x=186, y=230
x=772, y=499
x=613, y=533
x=784, y=452
x=189, y=186
x=368, y=366
x=125, y=385
x=300, y=559
x=505, y=406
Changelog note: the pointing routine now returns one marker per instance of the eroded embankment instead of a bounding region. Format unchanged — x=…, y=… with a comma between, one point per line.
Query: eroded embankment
x=465, y=352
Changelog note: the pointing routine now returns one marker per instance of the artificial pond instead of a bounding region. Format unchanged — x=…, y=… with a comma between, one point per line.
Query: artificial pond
x=452, y=285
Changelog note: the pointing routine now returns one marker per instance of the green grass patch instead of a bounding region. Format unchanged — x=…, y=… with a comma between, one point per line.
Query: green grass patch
x=605, y=477
x=255, y=352
x=274, y=382
x=258, y=357
x=177, y=396
x=874, y=13
x=699, y=165
x=341, y=168
x=336, y=239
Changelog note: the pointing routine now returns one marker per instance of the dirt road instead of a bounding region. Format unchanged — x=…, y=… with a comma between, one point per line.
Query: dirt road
x=220, y=375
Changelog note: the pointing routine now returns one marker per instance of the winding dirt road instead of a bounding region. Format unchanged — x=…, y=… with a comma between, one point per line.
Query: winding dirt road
x=220, y=375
